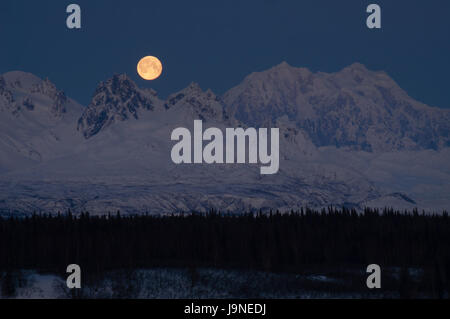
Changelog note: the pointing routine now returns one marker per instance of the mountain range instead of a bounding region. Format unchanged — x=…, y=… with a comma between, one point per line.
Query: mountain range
x=352, y=138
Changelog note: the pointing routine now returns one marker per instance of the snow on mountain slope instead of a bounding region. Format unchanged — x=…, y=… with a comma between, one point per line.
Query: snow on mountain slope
x=37, y=120
x=117, y=99
x=351, y=138
x=355, y=108
x=204, y=106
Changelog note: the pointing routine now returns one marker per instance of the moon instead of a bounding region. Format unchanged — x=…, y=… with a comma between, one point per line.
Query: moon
x=149, y=68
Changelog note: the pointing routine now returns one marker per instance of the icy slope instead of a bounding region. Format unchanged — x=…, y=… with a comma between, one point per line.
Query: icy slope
x=37, y=121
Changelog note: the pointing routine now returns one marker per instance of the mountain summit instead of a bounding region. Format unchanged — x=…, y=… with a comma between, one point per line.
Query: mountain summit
x=355, y=107
x=117, y=99
x=20, y=91
x=204, y=105
x=37, y=120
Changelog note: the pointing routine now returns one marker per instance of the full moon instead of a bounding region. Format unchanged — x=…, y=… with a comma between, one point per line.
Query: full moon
x=149, y=68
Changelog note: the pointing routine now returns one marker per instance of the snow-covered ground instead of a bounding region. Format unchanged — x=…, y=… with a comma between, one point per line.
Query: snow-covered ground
x=168, y=283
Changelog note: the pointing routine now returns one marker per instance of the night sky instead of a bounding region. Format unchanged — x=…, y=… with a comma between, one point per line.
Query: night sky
x=217, y=43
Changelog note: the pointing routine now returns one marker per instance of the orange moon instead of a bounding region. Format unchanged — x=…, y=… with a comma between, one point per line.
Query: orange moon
x=149, y=68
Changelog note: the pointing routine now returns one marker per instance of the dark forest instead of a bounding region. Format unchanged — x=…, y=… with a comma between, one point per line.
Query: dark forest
x=274, y=242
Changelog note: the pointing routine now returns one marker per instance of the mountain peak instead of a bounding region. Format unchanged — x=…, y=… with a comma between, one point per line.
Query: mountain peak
x=355, y=107
x=193, y=87
x=282, y=71
x=123, y=78
x=282, y=65
x=115, y=100
x=356, y=71
x=27, y=81
x=116, y=84
x=59, y=98
x=19, y=79
x=201, y=104
x=23, y=90
x=357, y=66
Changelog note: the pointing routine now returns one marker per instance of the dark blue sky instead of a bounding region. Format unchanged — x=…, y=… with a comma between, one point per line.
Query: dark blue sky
x=217, y=43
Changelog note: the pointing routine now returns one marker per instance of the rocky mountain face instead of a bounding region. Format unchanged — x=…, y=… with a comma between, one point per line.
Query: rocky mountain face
x=36, y=120
x=117, y=99
x=355, y=108
x=6, y=95
x=202, y=105
x=47, y=88
x=20, y=91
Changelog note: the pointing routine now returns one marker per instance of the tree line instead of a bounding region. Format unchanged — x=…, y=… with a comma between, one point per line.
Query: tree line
x=272, y=242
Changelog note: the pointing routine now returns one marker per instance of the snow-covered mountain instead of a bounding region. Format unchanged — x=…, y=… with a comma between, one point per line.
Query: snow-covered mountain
x=37, y=120
x=117, y=99
x=355, y=107
x=350, y=138
x=202, y=105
